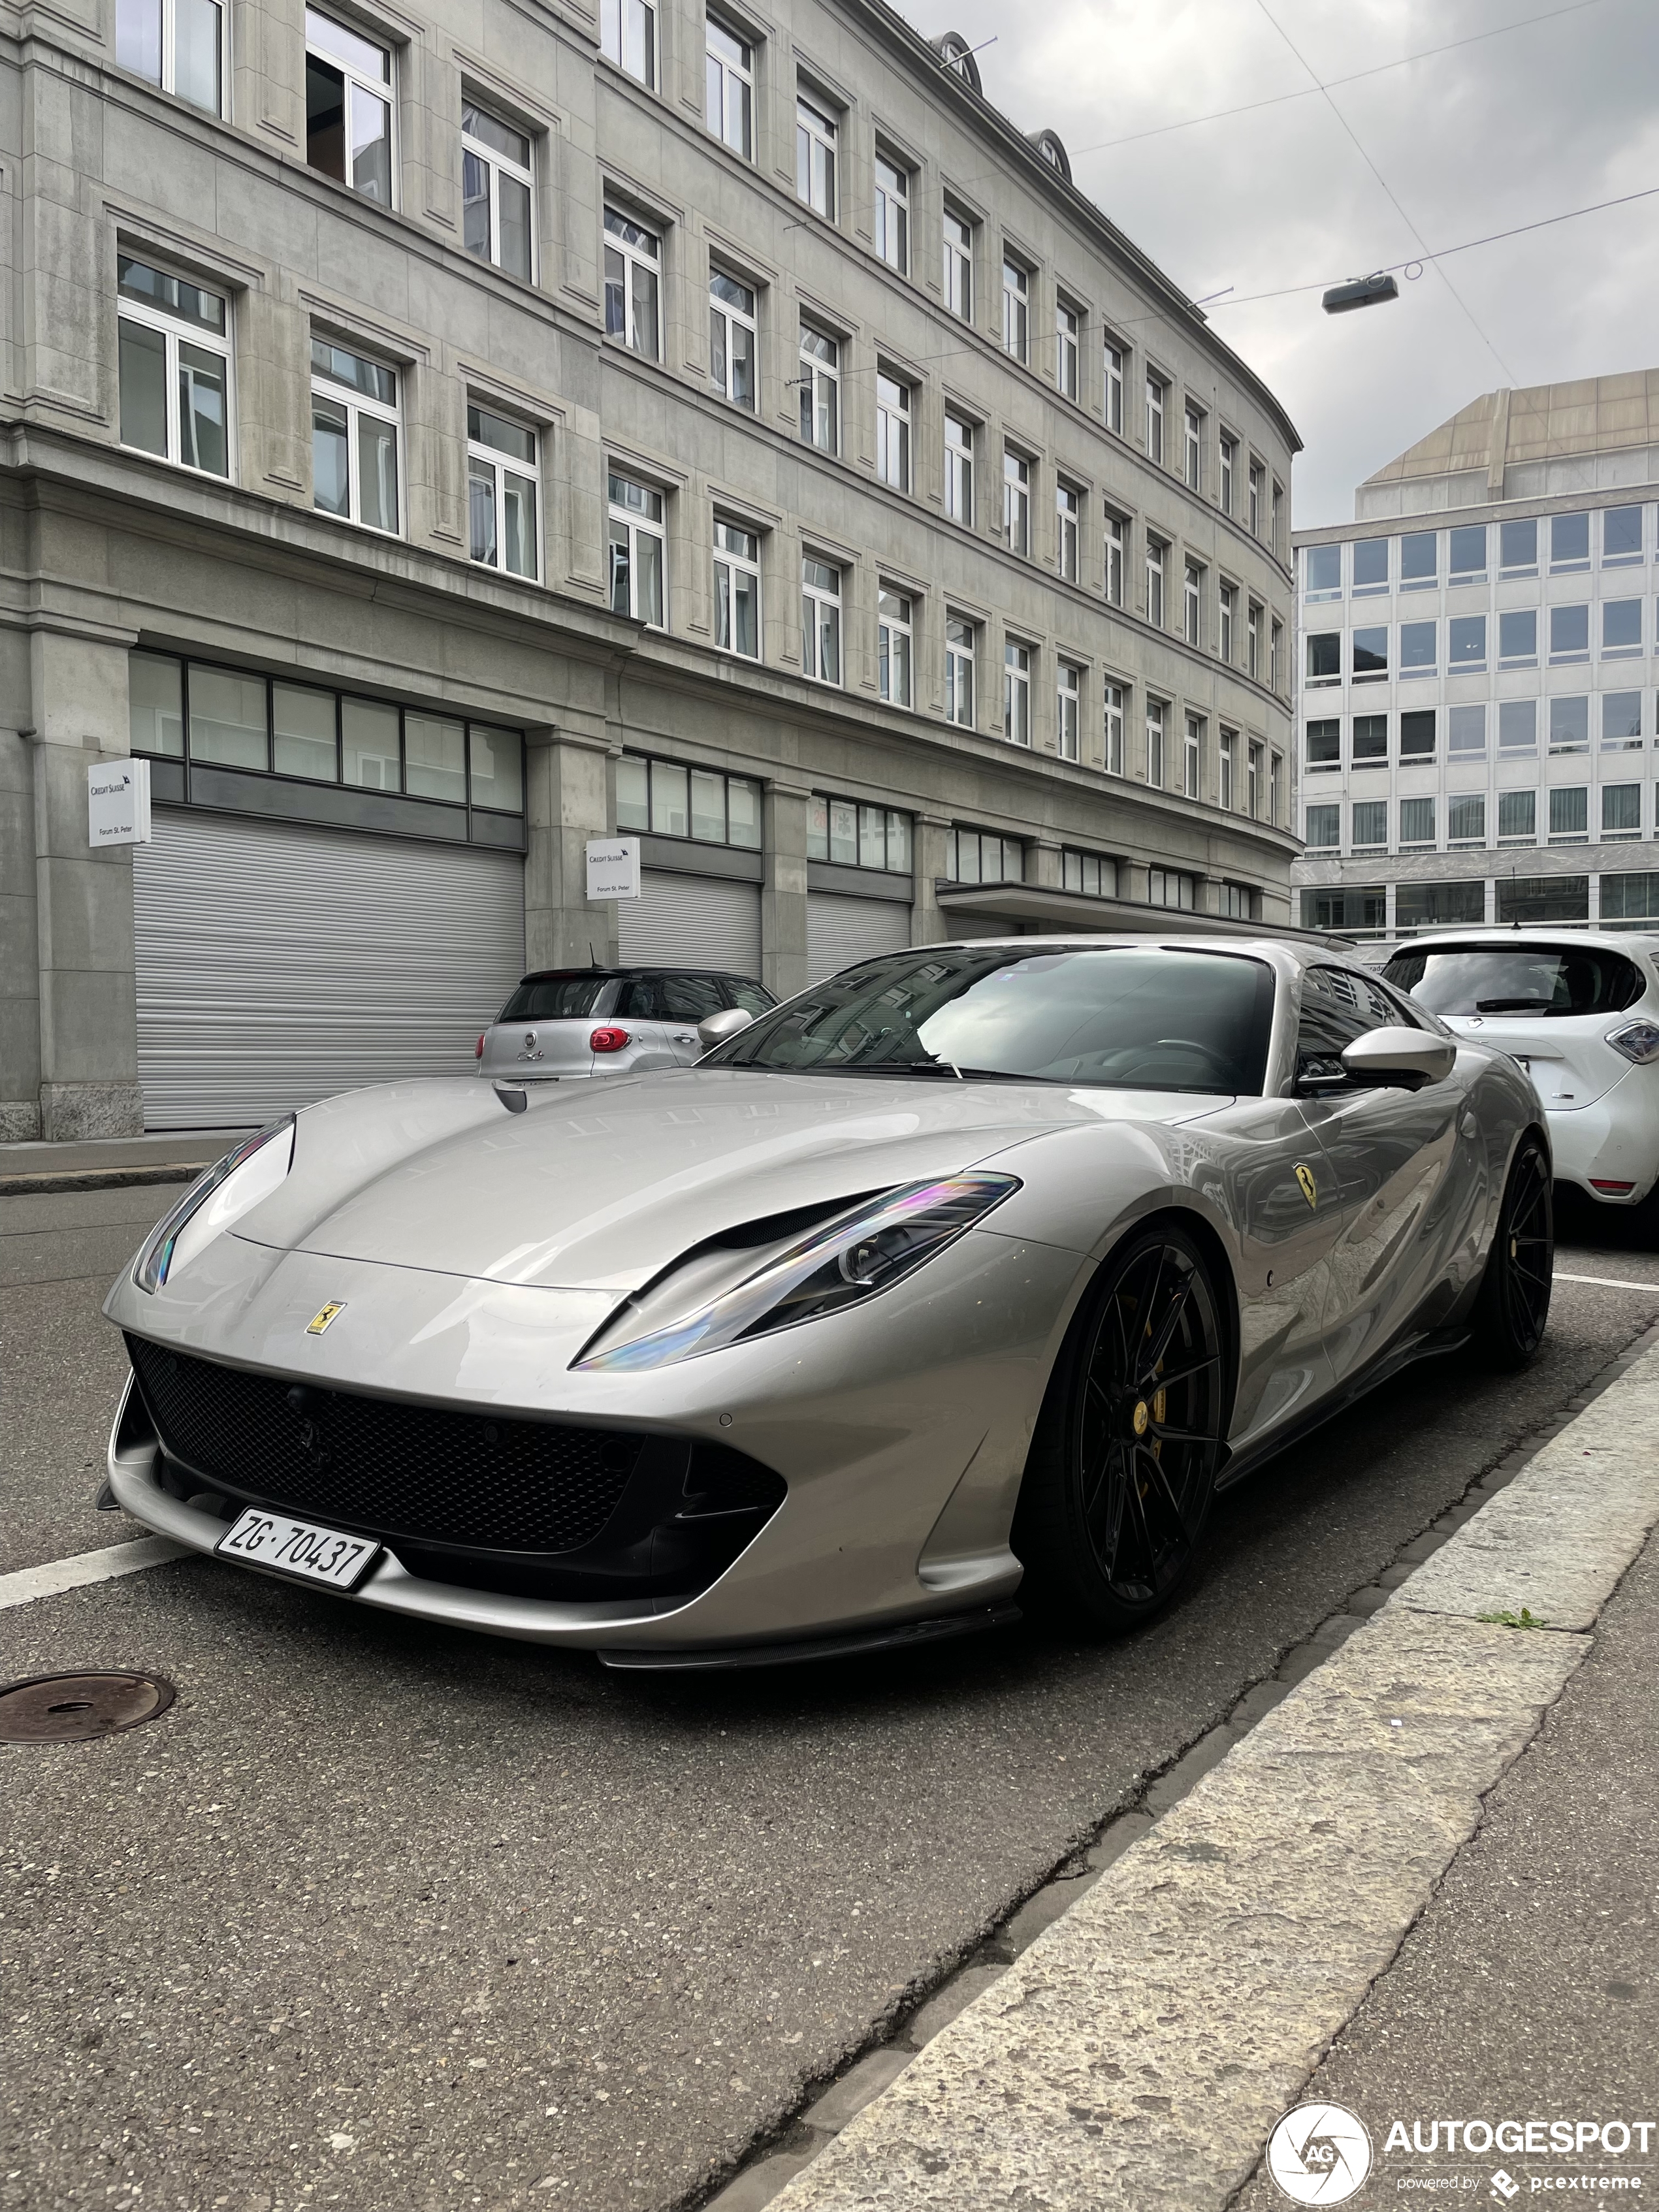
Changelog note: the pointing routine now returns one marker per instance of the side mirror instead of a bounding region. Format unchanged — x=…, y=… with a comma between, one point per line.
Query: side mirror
x=714, y=1029
x=1399, y=1059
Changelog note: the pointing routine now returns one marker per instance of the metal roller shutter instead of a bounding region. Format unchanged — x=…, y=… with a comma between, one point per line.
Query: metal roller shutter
x=840, y=931
x=693, y=921
x=277, y=964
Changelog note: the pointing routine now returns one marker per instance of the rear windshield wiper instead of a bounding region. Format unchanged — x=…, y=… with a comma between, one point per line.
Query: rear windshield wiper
x=1513, y=1006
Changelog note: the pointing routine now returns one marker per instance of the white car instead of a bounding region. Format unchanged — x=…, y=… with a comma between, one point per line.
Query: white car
x=567, y=1022
x=1579, y=1009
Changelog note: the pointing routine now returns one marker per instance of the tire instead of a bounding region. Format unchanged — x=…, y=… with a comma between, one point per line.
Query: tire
x=1120, y=1481
x=1513, y=1308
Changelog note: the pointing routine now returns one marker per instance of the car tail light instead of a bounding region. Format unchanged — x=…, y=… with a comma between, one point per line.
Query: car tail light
x=1612, y=1189
x=1638, y=1040
x=478, y=1052
x=609, y=1039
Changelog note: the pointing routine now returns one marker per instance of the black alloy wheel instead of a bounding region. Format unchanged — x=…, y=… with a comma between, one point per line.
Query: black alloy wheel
x=1121, y=1475
x=1514, y=1305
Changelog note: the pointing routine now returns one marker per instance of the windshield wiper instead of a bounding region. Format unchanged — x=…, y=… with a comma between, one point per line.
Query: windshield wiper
x=1512, y=1006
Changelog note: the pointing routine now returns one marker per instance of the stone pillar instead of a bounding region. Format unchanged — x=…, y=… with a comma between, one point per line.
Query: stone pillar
x=1046, y=870
x=927, y=922
x=88, y=1059
x=20, y=962
x=783, y=896
x=568, y=800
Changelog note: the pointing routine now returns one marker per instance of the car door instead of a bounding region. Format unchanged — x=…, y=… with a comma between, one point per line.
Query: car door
x=1404, y=1177
x=644, y=1014
x=690, y=997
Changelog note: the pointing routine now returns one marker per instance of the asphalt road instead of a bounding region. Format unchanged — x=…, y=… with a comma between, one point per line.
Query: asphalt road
x=389, y=1918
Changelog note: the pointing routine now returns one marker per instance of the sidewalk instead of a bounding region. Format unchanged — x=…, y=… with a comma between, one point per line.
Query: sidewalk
x=38, y=1169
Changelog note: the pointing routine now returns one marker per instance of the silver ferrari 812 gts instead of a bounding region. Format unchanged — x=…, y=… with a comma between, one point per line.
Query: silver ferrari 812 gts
x=975, y=1270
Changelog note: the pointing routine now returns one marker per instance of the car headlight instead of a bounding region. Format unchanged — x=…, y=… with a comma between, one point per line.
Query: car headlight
x=247, y=1173
x=839, y=1266
x=1638, y=1040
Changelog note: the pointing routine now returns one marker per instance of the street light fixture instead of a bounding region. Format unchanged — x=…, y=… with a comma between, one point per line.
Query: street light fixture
x=1361, y=292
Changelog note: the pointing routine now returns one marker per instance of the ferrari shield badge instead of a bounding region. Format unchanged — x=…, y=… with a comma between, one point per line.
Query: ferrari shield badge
x=321, y=1320
x=1306, y=1183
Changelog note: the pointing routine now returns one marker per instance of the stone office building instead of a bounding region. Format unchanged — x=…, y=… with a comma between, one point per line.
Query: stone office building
x=438, y=436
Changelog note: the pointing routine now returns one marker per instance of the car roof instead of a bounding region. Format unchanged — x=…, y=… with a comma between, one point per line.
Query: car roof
x=637, y=967
x=1533, y=932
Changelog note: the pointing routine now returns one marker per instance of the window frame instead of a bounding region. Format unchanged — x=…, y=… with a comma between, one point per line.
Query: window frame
x=889, y=627
x=735, y=561
x=1016, y=501
x=817, y=597
x=1156, y=744
x=1226, y=621
x=174, y=331
x=1016, y=310
x=1016, y=659
x=1156, y=550
x=638, y=523
x=891, y=201
x=480, y=453
x=1192, y=447
x=816, y=376
x=893, y=420
x=960, y=669
x=958, y=264
x=357, y=404
x=633, y=257
x=1116, y=545
x=738, y=72
x=733, y=316
x=385, y=90
x=818, y=156
x=500, y=165
x=1157, y=393
x=1068, y=530
x=167, y=81
x=1192, y=757
x=959, y=455
x=624, y=17
x=1068, y=348
x=1068, y=709
x=1192, y=603
x=1112, y=710
x=1226, y=469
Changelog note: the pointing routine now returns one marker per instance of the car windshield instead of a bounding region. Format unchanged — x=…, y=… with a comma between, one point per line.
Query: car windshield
x=1542, y=980
x=1130, y=1017
x=576, y=996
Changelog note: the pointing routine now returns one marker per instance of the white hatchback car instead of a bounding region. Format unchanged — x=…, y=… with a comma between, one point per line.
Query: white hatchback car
x=565, y=1022
x=1579, y=1009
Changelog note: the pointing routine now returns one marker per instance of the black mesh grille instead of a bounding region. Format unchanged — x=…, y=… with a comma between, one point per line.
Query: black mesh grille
x=382, y=1465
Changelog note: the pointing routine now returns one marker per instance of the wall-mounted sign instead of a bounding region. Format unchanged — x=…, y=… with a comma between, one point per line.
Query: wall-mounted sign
x=117, y=803
x=613, y=867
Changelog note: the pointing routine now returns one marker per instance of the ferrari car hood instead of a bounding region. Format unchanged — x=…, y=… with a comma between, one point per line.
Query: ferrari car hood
x=600, y=1191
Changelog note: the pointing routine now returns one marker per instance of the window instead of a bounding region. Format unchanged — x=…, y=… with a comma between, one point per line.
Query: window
x=1370, y=566
x=733, y=338
x=1621, y=810
x=1517, y=549
x=1621, y=537
x=1621, y=721
x=892, y=431
x=1569, y=543
x=1192, y=600
x=848, y=834
x=672, y=801
x=1466, y=823
x=736, y=590
x=1420, y=561
x=892, y=232
x=1192, y=759
x=1517, y=725
x=1467, y=546
x=895, y=635
x=1543, y=898
x=1570, y=725
x=173, y=343
x=638, y=551
x=1517, y=637
x=1321, y=571
x=1193, y=448
x=1239, y=902
x=1279, y=509
x=820, y=620
x=1154, y=583
x=1569, y=815
x=958, y=265
x=1252, y=642
x=1323, y=741
x=1114, y=396
x=1417, y=736
x=1172, y=887
x=1067, y=323
x=1254, y=511
x=1088, y=873
x=1517, y=820
x=1017, y=693
x=633, y=255
x=1419, y=648
x=958, y=469
x=627, y=36
x=1068, y=716
x=1324, y=656
x=1016, y=310
x=973, y=857
x=1370, y=656
x=1569, y=634
x=1466, y=642
x=1628, y=899
x=1068, y=510
x=1369, y=738
x=1466, y=733
x=960, y=641
x=348, y=107
x=1323, y=826
x=1228, y=451
x=1359, y=911
x=1015, y=501
x=1621, y=629
x=1227, y=601
x=729, y=78
x=1112, y=728
x=354, y=437
x=820, y=390
x=1226, y=768
x=501, y=495
x=1371, y=826
x=176, y=44
x=1155, y=390
x=816, y=137
x=1115, y=535
x=1253, y=761
x=1155, y=761
x=496, y=191
x=1275, y=655
x=1416, y=823
x=1433, y=906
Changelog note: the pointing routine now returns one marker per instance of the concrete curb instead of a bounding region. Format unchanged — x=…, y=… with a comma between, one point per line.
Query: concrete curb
x=1138, y=2053
x=48, y=1184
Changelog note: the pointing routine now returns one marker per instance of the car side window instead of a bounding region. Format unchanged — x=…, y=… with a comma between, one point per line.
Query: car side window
x=1336, y=1008
x=646, y=999
x=692, y=998
x=753, y=997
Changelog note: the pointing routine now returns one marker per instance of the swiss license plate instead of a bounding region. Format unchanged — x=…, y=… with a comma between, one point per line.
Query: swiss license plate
x=299, y=1548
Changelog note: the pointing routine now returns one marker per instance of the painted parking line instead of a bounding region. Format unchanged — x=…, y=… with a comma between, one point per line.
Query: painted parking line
x=1606, y=1282
x=31, y=1582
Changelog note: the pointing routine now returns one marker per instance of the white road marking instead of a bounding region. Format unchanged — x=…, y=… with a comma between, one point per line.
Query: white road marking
x=31, y=1582
x=1607, y=1282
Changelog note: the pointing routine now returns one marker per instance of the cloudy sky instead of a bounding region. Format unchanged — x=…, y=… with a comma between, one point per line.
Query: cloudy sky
x=1548, y=115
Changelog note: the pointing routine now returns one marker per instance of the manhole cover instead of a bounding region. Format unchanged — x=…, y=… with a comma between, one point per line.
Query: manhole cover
x=74, y=1708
